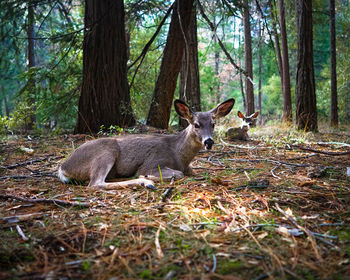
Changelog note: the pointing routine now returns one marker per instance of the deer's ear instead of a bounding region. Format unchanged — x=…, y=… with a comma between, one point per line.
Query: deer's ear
x=183, y=110
x=255, y=115
x=240, y=115
x=223, y=109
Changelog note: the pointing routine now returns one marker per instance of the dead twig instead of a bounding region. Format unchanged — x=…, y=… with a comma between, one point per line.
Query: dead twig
x=43, y=200
x=309, y=233
x=21, y=233
x=20, y=218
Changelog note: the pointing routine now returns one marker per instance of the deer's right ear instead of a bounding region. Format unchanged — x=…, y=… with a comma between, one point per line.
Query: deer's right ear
x=240, y=115
x=183, y=110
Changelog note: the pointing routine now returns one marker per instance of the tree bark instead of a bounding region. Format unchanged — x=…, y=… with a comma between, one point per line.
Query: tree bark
x=334, y=94
x=305, y=97
x=189, y=74
x=248, y=59
x=286, y=94
x=31, y=63
x=260, y=72
x=163, y=94
x=105, y=97
x=277, y=41
x=7, y=109
x=241, y=78
x=217, y=64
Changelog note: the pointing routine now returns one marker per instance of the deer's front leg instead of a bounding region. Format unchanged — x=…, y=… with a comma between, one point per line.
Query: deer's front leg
x=166, y=174
x=142, y=181
x=188, y=171
x=103, y=166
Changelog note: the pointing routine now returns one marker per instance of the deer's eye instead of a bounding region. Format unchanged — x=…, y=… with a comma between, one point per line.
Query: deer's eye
x=196, y=125
x=213, y=125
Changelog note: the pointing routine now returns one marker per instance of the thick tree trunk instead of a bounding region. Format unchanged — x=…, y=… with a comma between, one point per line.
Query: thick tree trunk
x=189, y=74
x=105, y=98
x=248, y=59
x=334, y=94
x=260, y=72
x=286, y=94
x=31, y=63
x=163, y=94
x=305, y=97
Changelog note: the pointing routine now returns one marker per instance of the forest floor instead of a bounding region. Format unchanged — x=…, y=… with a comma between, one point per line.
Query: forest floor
x=276, y=207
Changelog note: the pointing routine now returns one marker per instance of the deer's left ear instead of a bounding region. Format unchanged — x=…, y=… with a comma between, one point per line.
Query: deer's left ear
x=183, y=110
x=223, y=109
x=254, y=115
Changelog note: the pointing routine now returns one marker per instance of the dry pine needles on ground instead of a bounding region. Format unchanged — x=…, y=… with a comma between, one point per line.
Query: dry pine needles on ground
x=273, y=208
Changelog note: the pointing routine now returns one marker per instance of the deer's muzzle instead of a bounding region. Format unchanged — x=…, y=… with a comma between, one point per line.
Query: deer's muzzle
x=208, y=143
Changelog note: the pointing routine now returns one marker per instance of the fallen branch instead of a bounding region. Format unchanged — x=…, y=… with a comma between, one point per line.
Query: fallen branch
x=44, y=200
x=268, y=160
x=37, y=174
x=29, y=162
x=333, y=143
x=322, y=152
x=21, y=218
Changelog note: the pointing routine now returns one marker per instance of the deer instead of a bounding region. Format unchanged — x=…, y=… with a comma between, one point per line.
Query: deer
x=152, y=157
x=241, y=133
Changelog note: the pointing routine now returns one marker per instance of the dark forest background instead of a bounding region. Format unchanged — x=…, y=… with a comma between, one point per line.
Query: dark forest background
x=83, y=65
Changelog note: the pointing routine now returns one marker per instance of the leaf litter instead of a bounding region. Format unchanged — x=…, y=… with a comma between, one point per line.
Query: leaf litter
x=272, y=208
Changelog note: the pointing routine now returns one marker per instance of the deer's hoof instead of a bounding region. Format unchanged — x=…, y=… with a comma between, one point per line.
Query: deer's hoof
x=151, y=187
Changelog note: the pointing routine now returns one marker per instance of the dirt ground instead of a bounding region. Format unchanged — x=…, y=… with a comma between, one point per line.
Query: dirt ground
x=276, y=207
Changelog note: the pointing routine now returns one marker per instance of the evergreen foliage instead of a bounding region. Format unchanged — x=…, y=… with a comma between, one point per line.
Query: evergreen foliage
x=58, y=52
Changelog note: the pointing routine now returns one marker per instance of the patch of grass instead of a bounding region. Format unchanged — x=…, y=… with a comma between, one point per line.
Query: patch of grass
x=146, y=274
x=226, y=266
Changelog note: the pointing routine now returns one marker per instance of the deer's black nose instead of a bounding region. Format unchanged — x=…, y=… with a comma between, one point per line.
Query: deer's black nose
x=208, y=143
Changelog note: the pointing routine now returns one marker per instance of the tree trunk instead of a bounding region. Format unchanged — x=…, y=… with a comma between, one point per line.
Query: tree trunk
x=217, y=62
x=159, y=113
x=31, y=63
x=287, y=99
x=277, y=41
x=7, y=109
x=248, y=59
x=334, y=94
x=105, y=97
x=305, y=97
x=241, y=77
x=260, y=71
x=189, y=74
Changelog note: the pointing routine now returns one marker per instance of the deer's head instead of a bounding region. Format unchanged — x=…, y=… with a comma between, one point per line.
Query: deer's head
x=202, y=123
x=247, y=121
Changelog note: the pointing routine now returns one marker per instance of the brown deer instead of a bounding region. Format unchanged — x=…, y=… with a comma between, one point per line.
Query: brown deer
x=241, y=133
x=152, y=156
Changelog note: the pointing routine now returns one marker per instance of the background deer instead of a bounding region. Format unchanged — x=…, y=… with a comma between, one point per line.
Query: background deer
x=152, y=156
x=241, y=133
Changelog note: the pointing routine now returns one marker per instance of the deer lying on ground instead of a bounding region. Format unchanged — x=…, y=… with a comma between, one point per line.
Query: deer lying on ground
x=153, y=156
x=241, y=133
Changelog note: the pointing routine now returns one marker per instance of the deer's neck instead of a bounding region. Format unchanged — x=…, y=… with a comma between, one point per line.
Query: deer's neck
x=187, y=146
